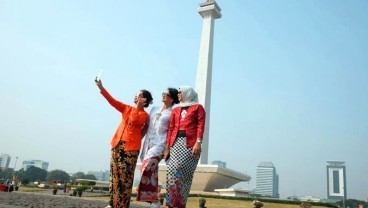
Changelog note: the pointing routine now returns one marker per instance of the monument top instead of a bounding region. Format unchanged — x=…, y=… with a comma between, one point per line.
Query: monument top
x=210, y=7
x=209, y=2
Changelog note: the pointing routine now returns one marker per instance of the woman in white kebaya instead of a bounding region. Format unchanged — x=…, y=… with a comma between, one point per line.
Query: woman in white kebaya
x=154, y=146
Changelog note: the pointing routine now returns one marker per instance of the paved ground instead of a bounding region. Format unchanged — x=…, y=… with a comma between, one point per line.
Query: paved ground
x=45, y=199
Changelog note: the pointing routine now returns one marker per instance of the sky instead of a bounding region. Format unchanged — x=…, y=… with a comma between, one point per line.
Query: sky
x=289, y=82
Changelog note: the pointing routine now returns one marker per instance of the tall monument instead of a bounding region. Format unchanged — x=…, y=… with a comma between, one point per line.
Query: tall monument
x=209, y=12
x=207, y=177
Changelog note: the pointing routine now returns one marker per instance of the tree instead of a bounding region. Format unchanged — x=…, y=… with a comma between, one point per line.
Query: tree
x=6, y=174
x=35, y=173
x=57, y=175
x=81, y=175
x=352, y=203
x=86, y=183
x=90, y=177
x=21, y=176
x=78, y=175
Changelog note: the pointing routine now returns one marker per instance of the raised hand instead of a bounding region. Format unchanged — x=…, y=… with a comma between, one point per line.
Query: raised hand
x=99, y=83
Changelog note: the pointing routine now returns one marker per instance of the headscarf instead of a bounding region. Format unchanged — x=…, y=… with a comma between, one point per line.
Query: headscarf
x=189, y=96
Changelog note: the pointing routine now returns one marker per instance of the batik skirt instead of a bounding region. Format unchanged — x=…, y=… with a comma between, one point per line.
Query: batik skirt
x=180, y=171
x=148, y=189
x=122, y=167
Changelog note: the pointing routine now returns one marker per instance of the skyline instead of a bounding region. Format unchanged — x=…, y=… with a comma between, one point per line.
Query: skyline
x=241, y=185
x=289, y=82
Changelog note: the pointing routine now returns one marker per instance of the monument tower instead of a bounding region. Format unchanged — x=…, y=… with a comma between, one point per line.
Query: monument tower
x=209, y=12
x=207, y=177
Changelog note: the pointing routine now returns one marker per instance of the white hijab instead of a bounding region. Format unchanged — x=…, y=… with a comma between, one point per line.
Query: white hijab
x=189, y=97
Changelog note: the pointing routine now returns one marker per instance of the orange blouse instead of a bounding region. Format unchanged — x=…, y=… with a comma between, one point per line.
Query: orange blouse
x=132, y=122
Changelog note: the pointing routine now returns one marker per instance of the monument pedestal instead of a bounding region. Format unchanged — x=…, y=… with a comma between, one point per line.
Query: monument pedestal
x=208, y=177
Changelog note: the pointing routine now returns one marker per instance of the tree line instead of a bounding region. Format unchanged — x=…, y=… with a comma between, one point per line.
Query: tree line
x=38, y=174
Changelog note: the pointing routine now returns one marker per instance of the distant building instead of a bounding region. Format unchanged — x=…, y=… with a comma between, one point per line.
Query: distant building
x=36, y=163
x=220, y=163
x=100, y=175
x=4, y=161
x=309, y=199
x=267, y=181
x=336, y=181
x=304, y=198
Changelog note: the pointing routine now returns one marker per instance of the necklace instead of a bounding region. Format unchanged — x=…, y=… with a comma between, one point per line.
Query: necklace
x=183, y=114
x=157, y=117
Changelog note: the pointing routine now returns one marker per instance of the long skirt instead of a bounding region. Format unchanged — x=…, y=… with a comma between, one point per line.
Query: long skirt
x=179, y=176
x=148, y=189
x=122, y=167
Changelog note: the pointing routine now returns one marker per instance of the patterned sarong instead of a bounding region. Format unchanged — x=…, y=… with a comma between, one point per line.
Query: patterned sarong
x=180, y=172
x=148, y=187
x=122, y=166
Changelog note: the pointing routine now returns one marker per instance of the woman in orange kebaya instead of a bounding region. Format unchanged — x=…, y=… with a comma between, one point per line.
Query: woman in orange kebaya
x=125, y=145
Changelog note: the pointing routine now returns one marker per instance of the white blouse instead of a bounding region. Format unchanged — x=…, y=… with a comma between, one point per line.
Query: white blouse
x=155, y=139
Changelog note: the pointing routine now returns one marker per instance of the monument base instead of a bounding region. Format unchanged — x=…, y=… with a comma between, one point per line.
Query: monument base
x=233, y=192
x=208, y=177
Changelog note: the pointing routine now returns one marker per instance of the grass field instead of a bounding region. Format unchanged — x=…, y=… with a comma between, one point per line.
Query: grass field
x=222, y=203
x=226, y=203
x=30, y=189
x=193, y=201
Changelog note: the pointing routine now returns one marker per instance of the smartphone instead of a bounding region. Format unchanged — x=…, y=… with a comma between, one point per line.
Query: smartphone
x=99, y=75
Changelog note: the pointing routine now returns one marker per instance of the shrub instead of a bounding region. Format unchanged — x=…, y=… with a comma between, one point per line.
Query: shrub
x=257, y=204
x=305, y=205
x=202, y=202
x=86, y=183
x=80, y=188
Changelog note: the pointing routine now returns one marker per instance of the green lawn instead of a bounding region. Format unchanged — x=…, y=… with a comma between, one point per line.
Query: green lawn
x=226, y=203
x=222, y=203
x=193, y=201
x=30, y=189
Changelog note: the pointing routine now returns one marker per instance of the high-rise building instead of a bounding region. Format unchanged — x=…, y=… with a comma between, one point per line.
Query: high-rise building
x=100, y=175
x=267, y=180
x=4, y=161
x=36, y=163
x=220, y=163
x=336, y=181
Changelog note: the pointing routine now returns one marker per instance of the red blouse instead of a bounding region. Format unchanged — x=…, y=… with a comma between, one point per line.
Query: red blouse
x=193, y=124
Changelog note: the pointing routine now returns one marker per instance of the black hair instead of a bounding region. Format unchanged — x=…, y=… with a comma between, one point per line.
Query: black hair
x=173, y=94
x=146, y=94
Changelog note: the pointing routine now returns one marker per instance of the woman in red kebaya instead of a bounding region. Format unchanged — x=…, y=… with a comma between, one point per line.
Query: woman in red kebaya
x=183, y=146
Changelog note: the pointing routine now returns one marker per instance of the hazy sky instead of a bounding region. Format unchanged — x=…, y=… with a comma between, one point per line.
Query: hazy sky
x=290, y=82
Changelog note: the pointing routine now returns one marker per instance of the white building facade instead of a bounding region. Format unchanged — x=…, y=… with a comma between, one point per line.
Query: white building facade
x=4, y=161
x=36, y=163
x=267, y=180
x=336, y=181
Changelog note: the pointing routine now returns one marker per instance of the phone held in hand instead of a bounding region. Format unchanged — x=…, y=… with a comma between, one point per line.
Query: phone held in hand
x=99, y=75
